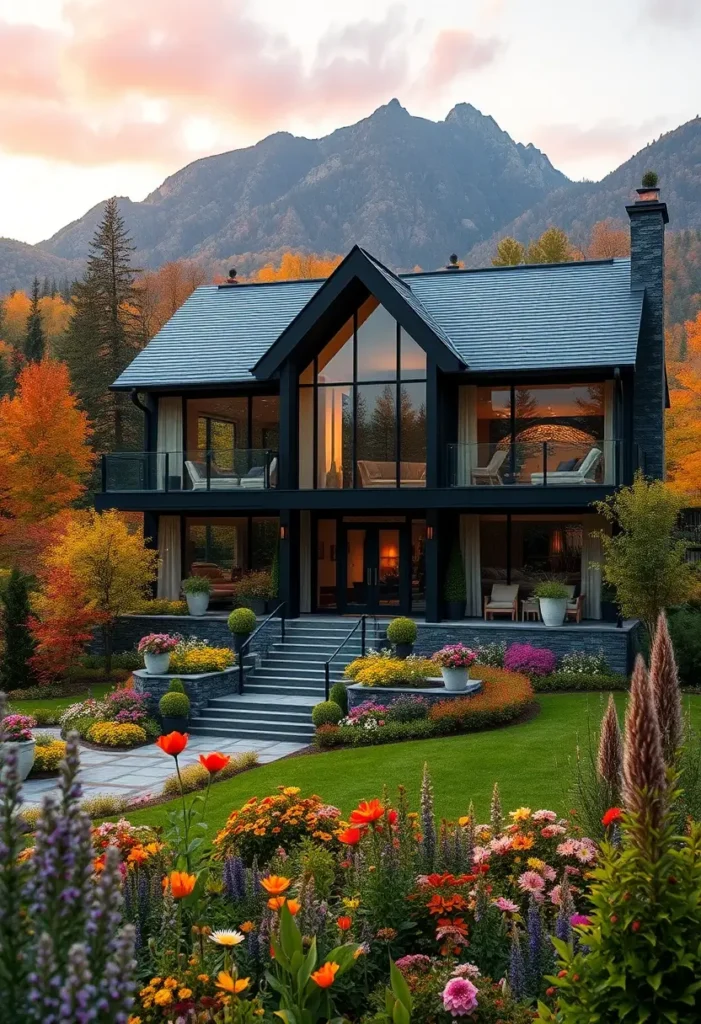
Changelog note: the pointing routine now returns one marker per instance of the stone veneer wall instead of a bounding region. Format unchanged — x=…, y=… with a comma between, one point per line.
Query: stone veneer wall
x=131, y=628
x=200, y=688
x=387, y=695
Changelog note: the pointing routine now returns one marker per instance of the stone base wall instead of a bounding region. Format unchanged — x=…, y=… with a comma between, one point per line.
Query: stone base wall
x=200, y=688
x=387, y=695
x=131, y=628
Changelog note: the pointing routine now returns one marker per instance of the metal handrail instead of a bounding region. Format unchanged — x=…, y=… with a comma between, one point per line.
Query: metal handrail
x=327, y=664
x=255, y=633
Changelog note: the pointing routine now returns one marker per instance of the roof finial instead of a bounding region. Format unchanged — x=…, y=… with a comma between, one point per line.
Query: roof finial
x=453, y=262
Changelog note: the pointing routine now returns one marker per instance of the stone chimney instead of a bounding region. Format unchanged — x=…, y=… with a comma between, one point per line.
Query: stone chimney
x=648, y=216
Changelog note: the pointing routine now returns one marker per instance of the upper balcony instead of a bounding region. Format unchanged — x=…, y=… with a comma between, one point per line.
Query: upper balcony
x=241, y=469
x=535, y=464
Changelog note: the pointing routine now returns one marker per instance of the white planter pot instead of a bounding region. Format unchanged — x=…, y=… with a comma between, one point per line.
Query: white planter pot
x=157, y=664
x=553, y=610
x=455, y=679
x=25, y=756
x=197, y=604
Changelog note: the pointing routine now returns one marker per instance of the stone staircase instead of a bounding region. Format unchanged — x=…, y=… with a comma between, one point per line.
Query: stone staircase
x=285, y=684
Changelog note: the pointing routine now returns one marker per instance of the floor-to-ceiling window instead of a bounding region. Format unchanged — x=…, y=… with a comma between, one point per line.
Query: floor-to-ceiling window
x=227, y=547
x=362, y=419
x=237, y=436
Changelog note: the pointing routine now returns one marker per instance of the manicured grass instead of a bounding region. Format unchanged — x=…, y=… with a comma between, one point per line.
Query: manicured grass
x=27, y=707
x=529, y=761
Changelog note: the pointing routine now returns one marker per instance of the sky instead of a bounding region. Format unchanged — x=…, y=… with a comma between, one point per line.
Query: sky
x=108, y=97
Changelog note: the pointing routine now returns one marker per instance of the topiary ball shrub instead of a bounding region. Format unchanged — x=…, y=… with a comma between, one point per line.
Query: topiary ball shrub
x=339, y=695
x=176, y=686
x=326, y=713
x=531, y=661
x=242, y=621
x=174, y=705
x=650, y=179
x=402, y=631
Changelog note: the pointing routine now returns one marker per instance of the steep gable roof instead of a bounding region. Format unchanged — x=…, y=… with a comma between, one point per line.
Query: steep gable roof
x=572, y=315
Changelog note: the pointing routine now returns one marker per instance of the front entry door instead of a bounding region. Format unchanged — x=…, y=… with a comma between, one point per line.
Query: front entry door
x=374, y=570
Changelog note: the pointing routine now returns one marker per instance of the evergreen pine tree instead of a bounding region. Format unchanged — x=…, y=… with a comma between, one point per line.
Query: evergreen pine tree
x=35, y=339
x=103, y=334
x=15, y=670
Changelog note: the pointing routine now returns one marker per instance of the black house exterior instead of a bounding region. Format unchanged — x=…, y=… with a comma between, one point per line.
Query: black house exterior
x=368, y=426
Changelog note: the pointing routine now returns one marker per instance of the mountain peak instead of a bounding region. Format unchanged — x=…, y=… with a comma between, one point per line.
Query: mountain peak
x=391, y=109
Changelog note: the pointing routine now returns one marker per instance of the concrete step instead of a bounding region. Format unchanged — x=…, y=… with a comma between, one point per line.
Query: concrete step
x=253, y=732
x=281, y=687
x=263, y=722
x=261, y=712
x=323, y=650
x=267, y=671
x=263, y=704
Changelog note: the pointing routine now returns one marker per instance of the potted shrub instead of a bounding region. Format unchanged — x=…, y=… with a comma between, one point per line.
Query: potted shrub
x=455, y=585
x=609, y=608
x=174, y=707
x=455, y=661
x=402, y=633
x=242, y=622
x=197, y=590
x=17, y=734
x=254, y=590
x=552, y=597
x=156, y=648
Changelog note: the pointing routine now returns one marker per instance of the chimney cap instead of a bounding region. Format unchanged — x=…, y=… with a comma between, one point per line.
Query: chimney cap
x=453, y=263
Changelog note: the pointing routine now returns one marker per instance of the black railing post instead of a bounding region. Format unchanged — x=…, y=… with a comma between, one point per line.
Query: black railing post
x=545, y=463
x=362, y=637
x=282, y=623
x=241, y=670
x=266, y=475
x=166, y=478
x=327, y=675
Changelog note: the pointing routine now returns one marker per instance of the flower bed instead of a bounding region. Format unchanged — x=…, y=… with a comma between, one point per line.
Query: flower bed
x=564, y=681
x=381, y=668
x=122, y=719
x=503, y=697
x=48, y=754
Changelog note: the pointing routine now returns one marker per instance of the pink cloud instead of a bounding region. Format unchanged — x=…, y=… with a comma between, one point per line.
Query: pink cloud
x=29, y=61
x=458, y=52
x=610, y=139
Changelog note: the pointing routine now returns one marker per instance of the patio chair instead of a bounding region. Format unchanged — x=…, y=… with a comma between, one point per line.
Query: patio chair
x=575, y=605
x=217, y=482
x=489, y=474
x=503, y=600
x=583, y=474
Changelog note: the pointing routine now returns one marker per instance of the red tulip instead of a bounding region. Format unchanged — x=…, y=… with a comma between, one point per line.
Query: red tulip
x=367, y=811
x=344, y=923
x=613, y=814
x=174, y=743
x=214, y=762
x=351, y=836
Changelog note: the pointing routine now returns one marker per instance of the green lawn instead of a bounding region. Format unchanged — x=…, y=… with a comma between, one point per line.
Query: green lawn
x=529, y=761
x=27, y=707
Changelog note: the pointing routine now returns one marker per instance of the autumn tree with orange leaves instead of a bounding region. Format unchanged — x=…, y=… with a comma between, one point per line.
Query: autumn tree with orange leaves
x=63, y=624
x=44, y=458
x=296, y=266
x=684, y=416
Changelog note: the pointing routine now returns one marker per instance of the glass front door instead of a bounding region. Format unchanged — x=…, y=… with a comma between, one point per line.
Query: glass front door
x=377, y=560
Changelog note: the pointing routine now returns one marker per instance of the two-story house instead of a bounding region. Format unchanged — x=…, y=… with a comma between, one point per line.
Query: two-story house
x=365, y=426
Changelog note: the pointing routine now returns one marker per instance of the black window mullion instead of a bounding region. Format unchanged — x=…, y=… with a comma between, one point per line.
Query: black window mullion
x=509, y=535
x=354, y=439
x=397, y=413
x=315, y=426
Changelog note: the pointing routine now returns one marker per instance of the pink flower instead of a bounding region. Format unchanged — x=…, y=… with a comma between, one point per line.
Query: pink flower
x=556, y=895
x=568, y=848
x=569, y=870
x=480, y=855
x=550, y=831
x=531, y=881
x=414, y=961
x=545, y=816
x=501, y=845
x=579, y=919
x=466, y=971
x=460, y=997
x=548, y=873
x=585, y=855
x=508, y=906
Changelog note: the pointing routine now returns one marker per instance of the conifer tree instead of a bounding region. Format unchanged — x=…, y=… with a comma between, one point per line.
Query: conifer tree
x=15, y=669
x=103, y=333
x=35, y=339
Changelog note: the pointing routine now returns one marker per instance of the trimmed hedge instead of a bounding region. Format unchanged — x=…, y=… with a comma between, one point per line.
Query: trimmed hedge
x=327, y=712
x=578, y=681
x=339, y=694
x=504, y=697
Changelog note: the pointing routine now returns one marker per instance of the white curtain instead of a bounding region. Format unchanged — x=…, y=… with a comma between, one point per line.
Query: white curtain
x=470, y=547
x=169, y=561
x=609, y=432
x=467, y=456
x=170, y=439
x=592, y=557
x=305, y=562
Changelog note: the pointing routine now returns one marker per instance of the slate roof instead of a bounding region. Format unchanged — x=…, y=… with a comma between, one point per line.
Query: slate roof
x=568, y=315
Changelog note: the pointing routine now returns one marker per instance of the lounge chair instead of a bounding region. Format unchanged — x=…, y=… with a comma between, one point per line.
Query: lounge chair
x=583, y=474
x=503, y=600
x=489, y=474
x=217, y=482
x=375, y=473
x=575, y=605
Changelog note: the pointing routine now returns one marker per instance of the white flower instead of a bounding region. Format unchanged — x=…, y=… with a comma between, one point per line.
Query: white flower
x=225, y=937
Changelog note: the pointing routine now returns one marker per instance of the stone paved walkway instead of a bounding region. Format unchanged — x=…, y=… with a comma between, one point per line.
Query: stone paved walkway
x=144, y=770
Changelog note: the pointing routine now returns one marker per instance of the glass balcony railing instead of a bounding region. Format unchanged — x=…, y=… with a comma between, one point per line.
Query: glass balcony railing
x=534, y=463
x=199, y=470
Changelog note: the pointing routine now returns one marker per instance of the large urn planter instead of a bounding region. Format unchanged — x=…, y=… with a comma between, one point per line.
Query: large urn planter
x=197, y=604
x=173, y=723
x=553, y=610
x=455, y=610
x=157, y=664
x=25, y=750
x=455, y=679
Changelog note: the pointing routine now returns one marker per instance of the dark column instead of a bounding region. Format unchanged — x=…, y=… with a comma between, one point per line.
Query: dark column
x=289, y=561
x=289, y=428
x=648, y=217
x=432, y=565
x=433, y=426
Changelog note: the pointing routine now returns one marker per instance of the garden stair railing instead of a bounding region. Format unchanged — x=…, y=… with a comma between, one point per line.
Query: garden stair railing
x=361, y=625
x=246, y=644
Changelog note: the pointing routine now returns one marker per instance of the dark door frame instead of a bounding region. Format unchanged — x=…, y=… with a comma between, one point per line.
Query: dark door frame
x=371, y=569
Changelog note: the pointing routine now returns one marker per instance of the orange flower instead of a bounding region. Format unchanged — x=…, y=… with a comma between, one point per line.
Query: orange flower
x=181, y=884
x=522, y=843
x=294, y=907
x=98, y=864
x=275, y=884
x=231, y=985
x=277, y=902
x=174, y=743
x=351, y=836
x=613, y=814
x=214, y=762
x=367, y=811
x=324, y=977
x=137, y=856
x=344, y=923
x=246, y=927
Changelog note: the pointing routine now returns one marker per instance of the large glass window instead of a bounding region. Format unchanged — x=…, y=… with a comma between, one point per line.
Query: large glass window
x=239, y=435
x=362, y=407
x=226, y=548
x=526, y=550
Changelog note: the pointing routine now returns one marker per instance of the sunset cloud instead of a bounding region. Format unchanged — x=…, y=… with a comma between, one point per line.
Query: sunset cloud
x=612, y=140
x=458, y=52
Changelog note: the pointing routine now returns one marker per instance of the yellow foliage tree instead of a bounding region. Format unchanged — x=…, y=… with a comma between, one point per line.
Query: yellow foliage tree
x=609, y=238
x=55, y=314
x=111, y=563
x=160, y=293
x=298, y=265
x=684, y=417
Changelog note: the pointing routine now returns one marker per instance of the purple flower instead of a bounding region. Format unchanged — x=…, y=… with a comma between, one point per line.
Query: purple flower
x=532, y=661
x=460, y=997
x=577, y=920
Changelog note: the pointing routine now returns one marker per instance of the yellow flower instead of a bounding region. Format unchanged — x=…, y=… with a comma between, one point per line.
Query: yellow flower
x=351, y=904
x=163, y=997
x=233, y=985
x=204, y=978
x=535, y=863
x=465, y=820
x=522, y=843
x=521, y=814
x=134, y=1020
x=184, y=993
x=290, y=791
x=155, y=981
x=226, y=938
